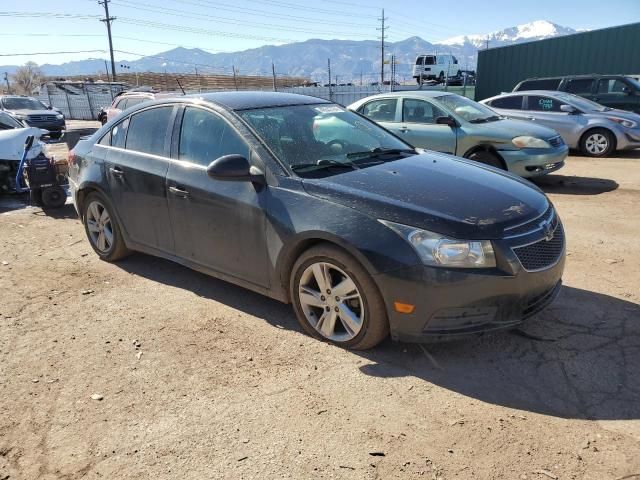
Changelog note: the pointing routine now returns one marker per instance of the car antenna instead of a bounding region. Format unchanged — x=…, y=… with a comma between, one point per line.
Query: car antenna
x=178, y=82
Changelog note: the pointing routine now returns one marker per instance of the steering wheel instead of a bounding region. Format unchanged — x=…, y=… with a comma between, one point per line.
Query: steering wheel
x=342, y=143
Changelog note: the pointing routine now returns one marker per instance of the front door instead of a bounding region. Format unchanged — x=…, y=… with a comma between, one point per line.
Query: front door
x=136, y=166
x=217, y=224
x=418, y=127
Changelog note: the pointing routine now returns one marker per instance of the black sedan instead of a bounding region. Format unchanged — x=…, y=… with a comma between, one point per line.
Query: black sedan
x=306, y=202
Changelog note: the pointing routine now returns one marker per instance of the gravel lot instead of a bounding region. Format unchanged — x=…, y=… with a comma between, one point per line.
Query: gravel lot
x=202, y=379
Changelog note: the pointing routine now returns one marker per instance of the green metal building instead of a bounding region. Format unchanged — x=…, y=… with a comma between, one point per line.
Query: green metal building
x=614, y=50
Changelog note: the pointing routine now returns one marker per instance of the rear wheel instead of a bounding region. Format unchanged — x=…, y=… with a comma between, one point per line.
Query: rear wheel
x=54, y=197
x=102, y=229
x=597, y=143
x=488, y=158
x=335, y=299
x=441, y=77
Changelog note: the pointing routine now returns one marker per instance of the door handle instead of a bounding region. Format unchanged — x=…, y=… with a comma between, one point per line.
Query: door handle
x=116, y=171
x=178, y=192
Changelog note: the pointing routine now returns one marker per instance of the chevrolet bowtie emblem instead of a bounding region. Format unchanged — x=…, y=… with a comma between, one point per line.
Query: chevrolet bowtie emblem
x=547, y=230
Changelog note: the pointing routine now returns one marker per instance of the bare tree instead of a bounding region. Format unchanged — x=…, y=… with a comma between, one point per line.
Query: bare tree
x=27, y=78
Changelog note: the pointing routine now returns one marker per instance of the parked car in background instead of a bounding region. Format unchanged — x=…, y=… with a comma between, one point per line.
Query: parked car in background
x=34, y=113
x=9, y=122
x=595, y=130
x=435, y=67
x=449, y=123
x=126, y=100
x=363, y=234
x=615, y=91
x=102, y=115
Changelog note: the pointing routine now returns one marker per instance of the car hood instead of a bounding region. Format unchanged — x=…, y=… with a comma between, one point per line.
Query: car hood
x=25, y=113
x=509, y=128
x=438, y=192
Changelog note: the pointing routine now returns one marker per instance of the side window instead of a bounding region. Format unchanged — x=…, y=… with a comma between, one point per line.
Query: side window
x=611, y=85
x=383, y=110
x=122, y=104
x=119, y=133
x=580, y=86
x=544, y=104
x=148, y=130
x=204, y=136
x=106, y=139
x=134, y=101
x=508, y=103
x=420, y=111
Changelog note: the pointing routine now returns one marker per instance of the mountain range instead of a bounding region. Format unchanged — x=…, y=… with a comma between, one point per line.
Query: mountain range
x=350, y=60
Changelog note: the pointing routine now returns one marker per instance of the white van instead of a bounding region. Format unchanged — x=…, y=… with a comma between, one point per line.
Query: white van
x=436, y=67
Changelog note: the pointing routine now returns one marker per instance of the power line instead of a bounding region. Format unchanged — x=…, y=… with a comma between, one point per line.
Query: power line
x=48, y=53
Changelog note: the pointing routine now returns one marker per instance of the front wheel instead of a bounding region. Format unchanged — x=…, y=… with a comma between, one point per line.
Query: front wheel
x=102, y=229
x=488, y=158
x=335, y=299
x=597, y=143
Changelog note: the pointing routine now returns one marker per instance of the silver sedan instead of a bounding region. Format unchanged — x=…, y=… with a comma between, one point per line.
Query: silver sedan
x=595, y=130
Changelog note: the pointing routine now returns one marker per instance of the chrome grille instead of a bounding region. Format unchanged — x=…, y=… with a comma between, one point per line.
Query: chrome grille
x=533, y=225
x=543, y=253
x=556, y=141
x=41, y=118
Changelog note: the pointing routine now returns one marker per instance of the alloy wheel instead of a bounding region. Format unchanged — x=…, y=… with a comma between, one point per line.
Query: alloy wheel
x=99, y=226
x=331, y=302
x=597, y=143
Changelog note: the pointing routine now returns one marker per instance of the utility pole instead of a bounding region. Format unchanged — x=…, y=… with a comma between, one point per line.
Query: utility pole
x=382, y=32
x=329, y=71
x=107, y=20
x=273, y=71
x=235, y=78
x=6, y=79
x=487, y=48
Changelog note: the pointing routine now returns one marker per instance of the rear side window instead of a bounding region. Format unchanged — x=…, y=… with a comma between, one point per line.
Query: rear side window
x=540, y=84
x=579, y=86
x=508, y=103
x=148, y=130
x=119, y=133
x=544, y=104
x=204, y=136
x=612, y=85
x=383, y=110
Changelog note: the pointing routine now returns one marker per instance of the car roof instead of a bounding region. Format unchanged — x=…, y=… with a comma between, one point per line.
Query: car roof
x=256, y=99
x=410, y=93
x=549, y=93
x=583, y=75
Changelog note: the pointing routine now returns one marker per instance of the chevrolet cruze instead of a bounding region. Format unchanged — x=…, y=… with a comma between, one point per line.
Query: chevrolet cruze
x=304, y=201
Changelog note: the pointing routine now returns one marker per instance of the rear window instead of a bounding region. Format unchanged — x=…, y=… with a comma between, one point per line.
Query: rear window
x=540, y=84
x=420, y=61
x=148, y=129
x=579, y=85
x=431, y=60
x=508, y=103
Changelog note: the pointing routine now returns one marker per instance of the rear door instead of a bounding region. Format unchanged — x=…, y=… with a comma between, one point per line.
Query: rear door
x=419, y=128
x=137, y=165
x=614, y=93
x=511, y=106
x=217, y=224
x=584, y=87
x=547, y=112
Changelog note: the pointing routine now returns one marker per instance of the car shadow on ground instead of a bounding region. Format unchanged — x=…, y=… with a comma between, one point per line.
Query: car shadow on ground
x=573, y=185
x=577, y=359
x=17, y=202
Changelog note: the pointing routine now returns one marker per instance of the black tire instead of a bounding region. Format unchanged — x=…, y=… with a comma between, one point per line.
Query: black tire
x=54, y=197
x=118, y=249
x=375, y=324
x=488, y=158
x=598, y=142
x=441, y=77
x=35, y=196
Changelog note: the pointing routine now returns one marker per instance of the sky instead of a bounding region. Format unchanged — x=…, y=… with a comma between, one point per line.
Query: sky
x=144, y=27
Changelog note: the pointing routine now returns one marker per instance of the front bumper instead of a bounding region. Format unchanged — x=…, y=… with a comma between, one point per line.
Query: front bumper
x=628, y=139
x=55, y=128
x=534, y=162
x=453, y=303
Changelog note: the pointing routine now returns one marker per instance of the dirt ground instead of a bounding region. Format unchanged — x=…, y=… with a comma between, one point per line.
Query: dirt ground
x=201, y=379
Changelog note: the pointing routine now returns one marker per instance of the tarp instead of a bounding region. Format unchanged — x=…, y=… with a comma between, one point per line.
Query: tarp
x=12, y=143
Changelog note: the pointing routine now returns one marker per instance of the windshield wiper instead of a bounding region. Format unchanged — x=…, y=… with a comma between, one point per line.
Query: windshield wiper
x=492, y=118
x=322, y=164
x=378, y=152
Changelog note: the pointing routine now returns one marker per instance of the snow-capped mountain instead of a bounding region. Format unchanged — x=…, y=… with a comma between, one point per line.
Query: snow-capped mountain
x=526, y=32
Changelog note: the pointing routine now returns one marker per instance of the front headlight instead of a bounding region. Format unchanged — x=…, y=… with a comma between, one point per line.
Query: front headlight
x=530, y=142
x=59, y=116
x=440, y=251
x=623, y=121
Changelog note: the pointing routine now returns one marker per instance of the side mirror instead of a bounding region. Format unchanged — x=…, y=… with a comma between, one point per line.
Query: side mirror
x=627, y=90
x=447, y=121
x=568, y=109
x=234, y=168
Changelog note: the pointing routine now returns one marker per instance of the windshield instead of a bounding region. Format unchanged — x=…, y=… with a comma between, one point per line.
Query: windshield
x=467, y=109
x=634, y=82
x=314, y=135
x=19, y=103
x=581, y=103
x=8, y=122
